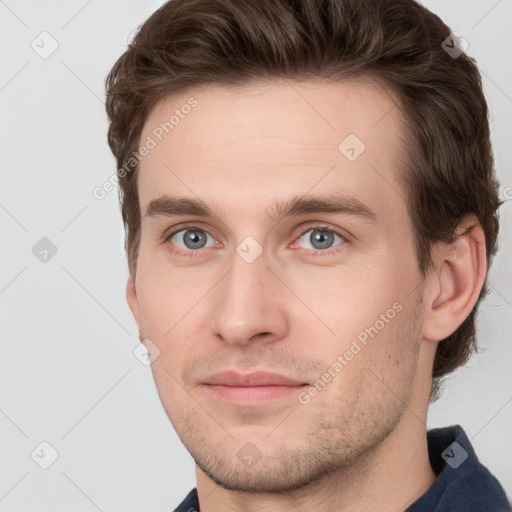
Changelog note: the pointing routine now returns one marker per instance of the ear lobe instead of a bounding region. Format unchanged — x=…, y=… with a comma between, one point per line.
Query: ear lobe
x=456, y=284
x=133, y=303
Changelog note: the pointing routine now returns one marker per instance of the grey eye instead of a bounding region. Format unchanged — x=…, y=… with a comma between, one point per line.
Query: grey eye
x=190, y=238
x=320, y=238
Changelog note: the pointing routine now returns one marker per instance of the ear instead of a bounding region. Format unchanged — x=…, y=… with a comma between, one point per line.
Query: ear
x=456, y=282
x=133, y=303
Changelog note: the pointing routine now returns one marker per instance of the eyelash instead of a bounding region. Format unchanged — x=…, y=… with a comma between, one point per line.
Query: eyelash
x=318, y=253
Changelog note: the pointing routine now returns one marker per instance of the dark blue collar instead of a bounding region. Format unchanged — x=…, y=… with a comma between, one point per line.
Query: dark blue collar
x=462, y=483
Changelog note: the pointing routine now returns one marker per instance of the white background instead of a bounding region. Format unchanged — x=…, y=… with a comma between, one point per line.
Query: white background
x=67, y=372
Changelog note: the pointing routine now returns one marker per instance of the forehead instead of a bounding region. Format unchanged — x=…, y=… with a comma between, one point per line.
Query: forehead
x=247, y=147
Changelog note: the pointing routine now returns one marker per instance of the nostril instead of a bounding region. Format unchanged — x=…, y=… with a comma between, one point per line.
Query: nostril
x=263, y=334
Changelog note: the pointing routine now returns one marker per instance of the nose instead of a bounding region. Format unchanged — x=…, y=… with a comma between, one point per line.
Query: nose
x=250, y=304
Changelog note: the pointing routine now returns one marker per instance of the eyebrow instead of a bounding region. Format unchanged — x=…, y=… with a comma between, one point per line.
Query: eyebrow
x=172, y=206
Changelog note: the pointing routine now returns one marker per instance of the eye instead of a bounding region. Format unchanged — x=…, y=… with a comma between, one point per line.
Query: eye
x=190, y=239
x=321, y=238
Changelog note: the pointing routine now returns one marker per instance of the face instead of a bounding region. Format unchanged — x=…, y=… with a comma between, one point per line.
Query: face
x=275, y=238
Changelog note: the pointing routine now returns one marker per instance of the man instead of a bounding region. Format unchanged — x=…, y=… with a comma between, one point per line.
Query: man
x=310, y=203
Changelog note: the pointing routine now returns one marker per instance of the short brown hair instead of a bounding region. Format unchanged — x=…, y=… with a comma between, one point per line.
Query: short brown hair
x=449, y=166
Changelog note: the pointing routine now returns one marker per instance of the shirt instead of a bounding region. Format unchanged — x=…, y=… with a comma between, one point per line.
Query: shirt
x=462, y=484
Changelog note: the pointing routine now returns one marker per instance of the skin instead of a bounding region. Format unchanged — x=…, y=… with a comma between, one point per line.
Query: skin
x=360, y=442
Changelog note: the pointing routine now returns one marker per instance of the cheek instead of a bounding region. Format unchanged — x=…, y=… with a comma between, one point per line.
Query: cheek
x=167, y=295
x=374, y=369
x=363, y=317
x=173, y=315
x=346, y=299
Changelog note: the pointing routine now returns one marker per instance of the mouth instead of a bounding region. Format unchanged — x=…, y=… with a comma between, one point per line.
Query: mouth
x=252, y=389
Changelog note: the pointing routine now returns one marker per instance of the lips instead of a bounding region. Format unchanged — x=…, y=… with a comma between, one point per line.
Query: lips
x=256, y=379
x=256, y=389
